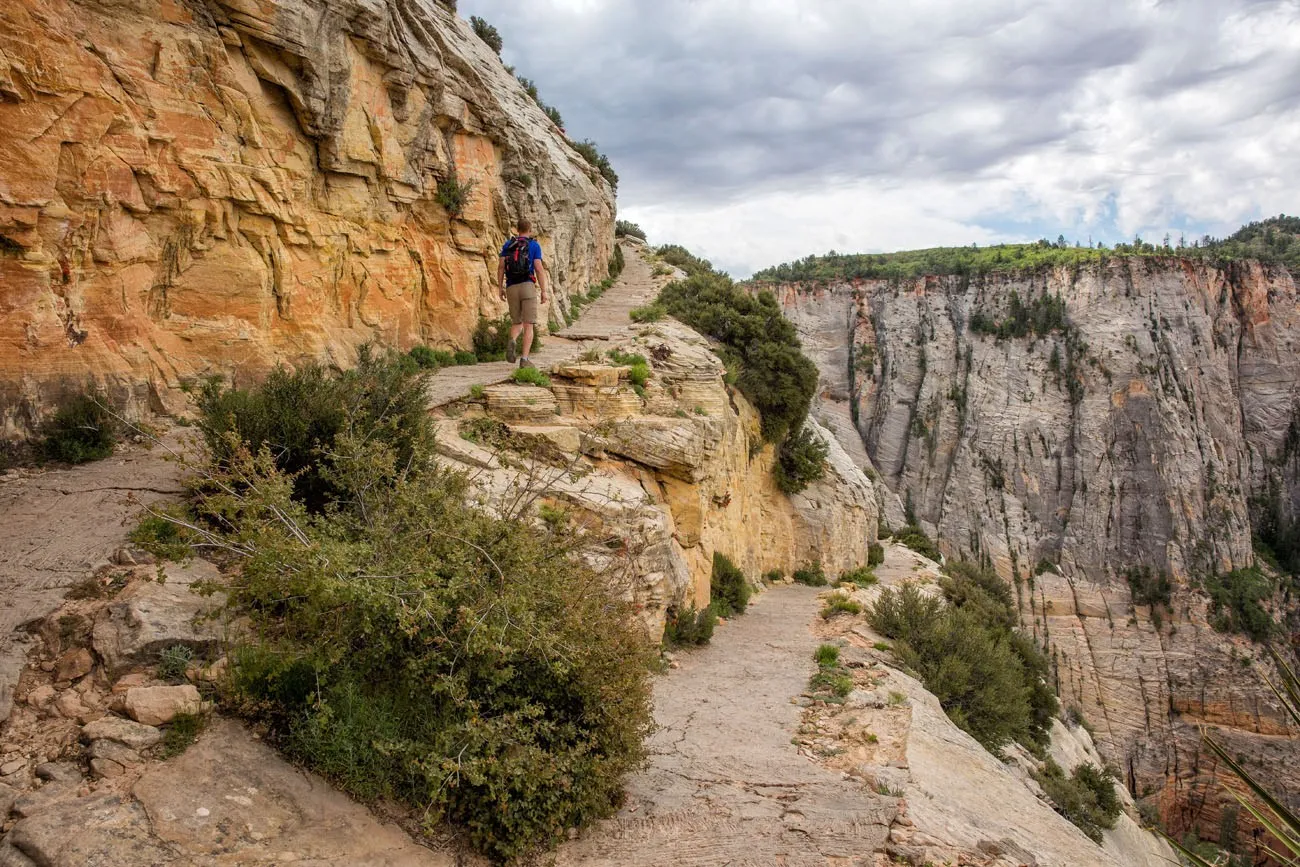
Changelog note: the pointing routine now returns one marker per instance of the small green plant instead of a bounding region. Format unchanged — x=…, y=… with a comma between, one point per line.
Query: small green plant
x=912, y=536
x=875, y=554
x=82, y=429
x=862, y=577
x=728, y=587
x=838, y=603
x=173, y=661
x=624, y=228
x=648, y=313
x=699, y=410
x=616, y=263
x=488, y=432
x=464, y=358
x=689, y=627
x=491, y=336
x=454, y=194
x=180, y=733
x=163, y=535
x=773, y=576
x=637, y=368
x=811, y=575
x=531, y=376
x=1086, y=797
x=827, y=655
x=476, y=391
x=883, y=646
x=431, y=359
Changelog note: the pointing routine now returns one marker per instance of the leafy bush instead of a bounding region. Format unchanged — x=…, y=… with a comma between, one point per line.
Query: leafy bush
x=810, y=576
x=1148, y=586
x=862, y=577
x=623, y=228
x=773, y=576
x=592, y=154
x=409, y=647
x=800, y=461
x=638, y=367
x=82, y=429
x=453, y=193
x=649, y=313
x=1086, y=797
x=553, y=113
x=300, y=416
x=838, y=603
x=758, y=343
x=616, y=263
x=1236, y=602
x=991, y=680
x=689, y=627
x=431, y=359
x=875, y=554
x=464, y=358
x=486, y=32
x=678, y=256
x=531, y=376
x=491, y=336
x=915, y=538
x=728, y=588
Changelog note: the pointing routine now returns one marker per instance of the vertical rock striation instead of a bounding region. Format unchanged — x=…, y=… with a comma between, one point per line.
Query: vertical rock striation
x=1074, y=426
x=191, y=187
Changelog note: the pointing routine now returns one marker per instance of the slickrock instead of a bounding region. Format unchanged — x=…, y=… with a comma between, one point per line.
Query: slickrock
x=1137, y=440
x=214, y=188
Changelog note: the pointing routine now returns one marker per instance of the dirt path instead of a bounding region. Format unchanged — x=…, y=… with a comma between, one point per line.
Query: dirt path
x=725, y=784
x=605, y=319
x=56, y=526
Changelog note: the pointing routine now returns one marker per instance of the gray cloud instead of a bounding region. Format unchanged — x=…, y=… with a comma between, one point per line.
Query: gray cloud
x=1065, y=112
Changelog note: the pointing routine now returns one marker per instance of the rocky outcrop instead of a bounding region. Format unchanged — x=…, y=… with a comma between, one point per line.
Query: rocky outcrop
x=215, y=187
x=674, y=473
x=1124, y=422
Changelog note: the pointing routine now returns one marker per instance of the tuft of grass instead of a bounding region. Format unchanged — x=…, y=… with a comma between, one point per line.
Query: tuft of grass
x=832, y=682
x=638, y=368
x=650, y=312
x=165, y=539
x=531, y=376
x=476, y=391
x=838, y=603
x=180, y=733
x=863, y=576
x=827, y=655
x=173, y=660
x=811, y=575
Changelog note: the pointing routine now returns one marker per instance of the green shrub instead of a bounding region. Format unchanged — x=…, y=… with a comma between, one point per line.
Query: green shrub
x=862, y=577
x=431, y=359
x=411, y=648
x=491, y=336
x=649, y=313
x=728, y=588
x=800, y=461
x=616, y=263
x=1236, y=603
x=915, y=538
x=773, y=576
x=1147, y=586
x=1086, y=797
x=477, y=392
x=679, y=257
x=811, y=576
x=164, y=538
x=689, y=627
x=638, y=368
x=875, y=554
x=173, y=660
x=82, y=429
x=453, y=193
x=827, y=655
x=832, y=682
x=489, y=34
x=300, y=416
x=592, y=155
x=464, y=358
x=624, y=228
x=838, y=603
x=531, y=376
x=183, y=730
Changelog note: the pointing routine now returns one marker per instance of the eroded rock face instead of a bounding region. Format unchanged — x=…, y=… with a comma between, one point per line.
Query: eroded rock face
x=191, y=188
x=1135, y=437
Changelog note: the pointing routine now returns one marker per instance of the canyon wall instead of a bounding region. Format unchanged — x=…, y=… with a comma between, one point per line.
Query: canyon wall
x=1130, y=429
x=190, y=187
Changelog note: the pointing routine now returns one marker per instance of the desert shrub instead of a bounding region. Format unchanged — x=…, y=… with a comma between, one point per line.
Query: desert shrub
x=82, y=429
x=616, y=263
x=531, y=376
x=862, y=577
x=649, y=313
x=490, y=337
x=300, y=416
x=624, y=228
x=728, y=588
x=773, y=576
x=827, y=654
x=409, y=647
x=679, y=257
x=1148, y=586
x=592, y=155
x=1237, y=603
x=453, y=193
x=810, y=576
x=464, y=358
x=915, y=538
x=800, y=461
x=428, y=358
x=839, y=603
x=875, y=554
x=486, y=32
x=1086, y=797
x=638, y=367
x=689, y=626
x=159, y=533
x=173, y=660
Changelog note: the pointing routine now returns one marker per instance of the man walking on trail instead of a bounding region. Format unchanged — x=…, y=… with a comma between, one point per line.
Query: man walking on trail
x=521, y=277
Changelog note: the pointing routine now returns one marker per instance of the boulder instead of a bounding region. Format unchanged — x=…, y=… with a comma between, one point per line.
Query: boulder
x=73, y=664
x=135, y=735
x=159, y=705
x=150, y=616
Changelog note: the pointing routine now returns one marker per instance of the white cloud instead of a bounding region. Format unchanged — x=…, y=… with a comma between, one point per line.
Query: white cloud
x=755, y=131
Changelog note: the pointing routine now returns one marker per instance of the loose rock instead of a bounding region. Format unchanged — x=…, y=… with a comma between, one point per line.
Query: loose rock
x=73, y=664
x=135, y=735
x=159, y=705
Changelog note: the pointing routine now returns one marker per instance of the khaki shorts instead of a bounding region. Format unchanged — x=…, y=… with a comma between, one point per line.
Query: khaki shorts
x=522, y=298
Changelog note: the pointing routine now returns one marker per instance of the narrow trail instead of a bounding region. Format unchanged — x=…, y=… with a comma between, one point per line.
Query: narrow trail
x=725, y=784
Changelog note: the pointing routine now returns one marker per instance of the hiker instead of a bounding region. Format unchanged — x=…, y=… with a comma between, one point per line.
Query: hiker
x=521, y=276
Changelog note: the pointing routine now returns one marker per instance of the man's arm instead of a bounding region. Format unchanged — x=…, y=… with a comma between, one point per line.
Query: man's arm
x=501, y=277
x=539, y=269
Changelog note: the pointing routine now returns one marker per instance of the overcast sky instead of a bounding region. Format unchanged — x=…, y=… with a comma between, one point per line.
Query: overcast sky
x=759, y=131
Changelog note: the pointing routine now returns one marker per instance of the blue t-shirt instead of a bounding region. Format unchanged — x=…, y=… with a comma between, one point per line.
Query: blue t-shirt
x=534, y=255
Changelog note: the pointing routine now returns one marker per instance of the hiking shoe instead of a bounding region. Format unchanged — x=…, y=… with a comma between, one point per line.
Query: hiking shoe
x=524, y=362
x=511, y=352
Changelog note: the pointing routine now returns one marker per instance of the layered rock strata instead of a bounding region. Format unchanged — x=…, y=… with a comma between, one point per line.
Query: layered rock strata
x=190, y=188
x=1130, y=432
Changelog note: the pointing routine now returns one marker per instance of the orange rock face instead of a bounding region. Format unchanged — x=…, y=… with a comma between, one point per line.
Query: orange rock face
x=190, y=189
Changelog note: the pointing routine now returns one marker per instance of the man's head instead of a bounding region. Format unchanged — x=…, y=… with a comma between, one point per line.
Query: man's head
x=523, y=227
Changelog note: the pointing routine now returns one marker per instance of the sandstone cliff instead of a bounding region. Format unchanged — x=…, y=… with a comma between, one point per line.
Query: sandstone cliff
x=213, y=187
x=1134, y=436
